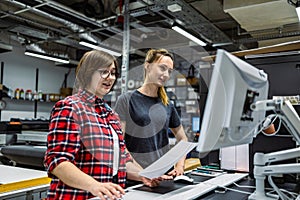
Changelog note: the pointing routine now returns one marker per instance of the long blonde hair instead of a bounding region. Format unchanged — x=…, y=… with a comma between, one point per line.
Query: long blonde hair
x=152, y=56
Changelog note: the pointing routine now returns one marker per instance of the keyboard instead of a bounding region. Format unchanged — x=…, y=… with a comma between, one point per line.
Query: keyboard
x=194, y=191
x=206, y=173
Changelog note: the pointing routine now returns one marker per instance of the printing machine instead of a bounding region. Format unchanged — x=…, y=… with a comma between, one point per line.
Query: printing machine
x=8, y=132
x=23, y=142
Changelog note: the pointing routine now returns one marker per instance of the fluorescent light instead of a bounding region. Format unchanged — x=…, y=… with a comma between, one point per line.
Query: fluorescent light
x=71, y=63
x=221, y=44
x=174, y=7
x=45, y=56
x=188, y=35
x=298, y=12
x=93, y=46
x=5, y=48
x=263, y=55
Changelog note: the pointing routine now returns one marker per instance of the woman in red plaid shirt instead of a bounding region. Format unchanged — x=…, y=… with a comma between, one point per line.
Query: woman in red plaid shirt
x=86, y=154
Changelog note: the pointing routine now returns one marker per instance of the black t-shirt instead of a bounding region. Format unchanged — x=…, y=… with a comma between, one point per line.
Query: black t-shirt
x=147, y=123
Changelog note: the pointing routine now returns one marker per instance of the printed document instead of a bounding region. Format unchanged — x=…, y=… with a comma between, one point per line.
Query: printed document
x=162, y=165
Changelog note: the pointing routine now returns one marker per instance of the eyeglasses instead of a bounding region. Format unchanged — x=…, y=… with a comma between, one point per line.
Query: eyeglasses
x=106, y=73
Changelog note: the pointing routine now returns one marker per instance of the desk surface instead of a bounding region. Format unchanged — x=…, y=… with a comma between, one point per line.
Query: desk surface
x=185, y=192
x=245, y=185
x=190, y=191
x=13, y=179
x=11, y=174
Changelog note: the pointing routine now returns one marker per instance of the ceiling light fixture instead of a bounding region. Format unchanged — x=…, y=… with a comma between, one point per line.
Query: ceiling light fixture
x=221, y=44
x=188, y=35
x=5, y=48
x=276, y=54
x=95, y=46
x=174, y=7
x=46, y=56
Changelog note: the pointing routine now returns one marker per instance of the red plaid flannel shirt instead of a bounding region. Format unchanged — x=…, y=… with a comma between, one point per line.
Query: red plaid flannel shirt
x=80, y=133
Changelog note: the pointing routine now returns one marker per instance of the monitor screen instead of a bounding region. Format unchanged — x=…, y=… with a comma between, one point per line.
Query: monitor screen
x=195, y=124
x=228, y=119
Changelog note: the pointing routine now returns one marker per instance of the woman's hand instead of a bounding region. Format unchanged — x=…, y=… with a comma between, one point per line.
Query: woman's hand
x=155, y=181
x=104, y=190
x=177, y=171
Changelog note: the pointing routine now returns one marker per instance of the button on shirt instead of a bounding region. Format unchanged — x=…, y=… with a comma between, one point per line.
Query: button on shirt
x=80, y=132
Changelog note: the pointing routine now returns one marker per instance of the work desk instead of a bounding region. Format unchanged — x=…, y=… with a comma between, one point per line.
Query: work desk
x=22, y=183
x=243, y=185
x=181, y=191
x=206, y=190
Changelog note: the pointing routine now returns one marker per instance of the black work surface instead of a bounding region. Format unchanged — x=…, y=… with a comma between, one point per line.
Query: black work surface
x=218, y=194
x=169, y=185
x=163, y=188
x=232, y=195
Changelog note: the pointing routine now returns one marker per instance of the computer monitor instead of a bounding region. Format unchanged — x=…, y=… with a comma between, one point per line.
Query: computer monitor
x=195, y=124
x=228, y=119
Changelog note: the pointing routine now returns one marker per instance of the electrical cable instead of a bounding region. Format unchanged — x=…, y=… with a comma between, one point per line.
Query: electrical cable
x=249, y=186
x=278, y=127
x=293, y=194
x=287, y=136
x=244, y=186
x=263, y=125
x=296, y=4
x=235, y=190
x=274, y=188
x=278, y=191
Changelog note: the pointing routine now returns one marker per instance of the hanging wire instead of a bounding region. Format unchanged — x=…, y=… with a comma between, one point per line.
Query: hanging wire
x=296, y=3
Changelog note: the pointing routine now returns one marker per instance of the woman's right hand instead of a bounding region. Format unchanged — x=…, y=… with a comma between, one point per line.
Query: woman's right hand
x=107, y=190
x=155, y=181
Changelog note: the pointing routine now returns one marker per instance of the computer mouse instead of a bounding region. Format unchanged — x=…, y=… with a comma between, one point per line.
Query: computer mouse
x=183, y=179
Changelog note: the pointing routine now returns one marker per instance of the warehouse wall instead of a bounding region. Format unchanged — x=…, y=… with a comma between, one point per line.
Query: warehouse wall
x=20, y=72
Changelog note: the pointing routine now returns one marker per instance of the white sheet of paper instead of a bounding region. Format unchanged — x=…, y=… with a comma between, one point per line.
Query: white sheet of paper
x=162, y=165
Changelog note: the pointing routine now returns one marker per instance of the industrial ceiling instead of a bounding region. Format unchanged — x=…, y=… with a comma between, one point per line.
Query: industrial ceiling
x=57, y=26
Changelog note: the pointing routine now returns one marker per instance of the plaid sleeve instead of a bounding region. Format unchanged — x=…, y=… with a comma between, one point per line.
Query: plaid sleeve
x=63, y=140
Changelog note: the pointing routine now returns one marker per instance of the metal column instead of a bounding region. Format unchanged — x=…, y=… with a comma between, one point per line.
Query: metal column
x=126, y=47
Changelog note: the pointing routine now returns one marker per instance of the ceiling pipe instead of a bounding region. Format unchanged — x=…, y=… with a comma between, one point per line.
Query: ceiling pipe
x=23, y=10
x=74, y=27
x=82, y=33
x=69, y=11
x=35, y=23
x=100, y=23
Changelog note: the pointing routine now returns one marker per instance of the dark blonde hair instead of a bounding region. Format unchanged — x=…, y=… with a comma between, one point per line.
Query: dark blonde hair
x=153, y=55
x=90, y=62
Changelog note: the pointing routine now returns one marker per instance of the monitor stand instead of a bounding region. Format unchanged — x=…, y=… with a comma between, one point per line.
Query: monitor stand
x=262, y=167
